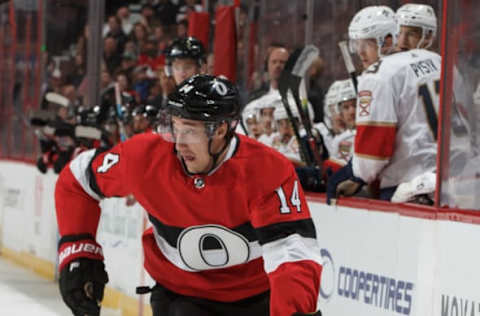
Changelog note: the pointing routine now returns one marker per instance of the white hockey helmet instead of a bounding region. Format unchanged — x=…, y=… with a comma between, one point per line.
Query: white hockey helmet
x=374, y=22
x=248, y=113
x=346, y=91
x=418, y=15
x=281, y=113
x=269, y=101
x=330, y=103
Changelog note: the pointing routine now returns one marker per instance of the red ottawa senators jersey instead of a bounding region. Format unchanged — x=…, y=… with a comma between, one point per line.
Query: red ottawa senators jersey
x=241, y=230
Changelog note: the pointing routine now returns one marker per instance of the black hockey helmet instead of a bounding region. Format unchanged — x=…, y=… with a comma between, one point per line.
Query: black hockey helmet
x=147, y=111
x=206, y=98
x=188, y=47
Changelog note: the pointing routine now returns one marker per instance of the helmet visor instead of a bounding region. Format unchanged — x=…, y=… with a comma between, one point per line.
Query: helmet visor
x=360, y=45
x=183, y=131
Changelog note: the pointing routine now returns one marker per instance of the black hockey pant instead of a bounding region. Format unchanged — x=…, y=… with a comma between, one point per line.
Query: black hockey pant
x=168, y=303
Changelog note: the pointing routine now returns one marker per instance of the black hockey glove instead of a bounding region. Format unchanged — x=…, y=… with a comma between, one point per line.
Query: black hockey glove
x=82, y=274
x=311, y=179
x=343, y=182
x=318, y=313
x=82, y=283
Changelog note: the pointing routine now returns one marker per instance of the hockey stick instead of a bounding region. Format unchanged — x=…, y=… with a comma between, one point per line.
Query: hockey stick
x=347, y=58
x=118, y=103
x=57, y=99
x=291, y=78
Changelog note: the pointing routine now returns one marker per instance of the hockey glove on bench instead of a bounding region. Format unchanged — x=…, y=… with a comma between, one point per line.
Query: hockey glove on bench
x=82, y=274
x=343, y=182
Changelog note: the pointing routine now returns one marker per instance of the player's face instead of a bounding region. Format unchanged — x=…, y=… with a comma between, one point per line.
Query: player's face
x=367, y=51
x=409, y=37
x=347, y=112
x=140, y=124
x=184, y=68
x=253, y=127
x=191, y=143
x=266, y=119
x=284, y=127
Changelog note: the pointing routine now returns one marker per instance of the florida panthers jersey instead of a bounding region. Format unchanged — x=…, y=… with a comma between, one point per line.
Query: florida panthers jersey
x=342, y=147
x=396, y=118
x=243, y=229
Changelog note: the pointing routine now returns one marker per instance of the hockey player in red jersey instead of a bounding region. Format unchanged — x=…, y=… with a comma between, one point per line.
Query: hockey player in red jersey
x=185, y=57
x=231, y=230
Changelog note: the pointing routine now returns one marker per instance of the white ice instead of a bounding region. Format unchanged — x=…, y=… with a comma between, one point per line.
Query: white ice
x=23, y=293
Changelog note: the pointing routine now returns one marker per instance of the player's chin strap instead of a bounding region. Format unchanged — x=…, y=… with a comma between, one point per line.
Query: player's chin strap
x=228, y=138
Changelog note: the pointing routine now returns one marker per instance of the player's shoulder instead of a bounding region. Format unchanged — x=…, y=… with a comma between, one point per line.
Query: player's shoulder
x=145, y=145
x=393, y=65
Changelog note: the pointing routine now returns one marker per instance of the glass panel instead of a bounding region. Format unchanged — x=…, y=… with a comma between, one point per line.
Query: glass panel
x=460, y=164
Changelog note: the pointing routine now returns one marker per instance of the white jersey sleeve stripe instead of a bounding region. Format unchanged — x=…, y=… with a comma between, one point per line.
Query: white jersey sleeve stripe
x=290, y=249
x=79, y=167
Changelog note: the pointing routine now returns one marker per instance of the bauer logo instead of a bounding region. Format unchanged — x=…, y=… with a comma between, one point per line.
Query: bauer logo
x=459, y=306
x=365, y=287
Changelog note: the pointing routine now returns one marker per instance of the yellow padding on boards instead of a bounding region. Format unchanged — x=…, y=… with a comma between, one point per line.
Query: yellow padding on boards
x=128, y=305
x=112, y=299
x=40, y=266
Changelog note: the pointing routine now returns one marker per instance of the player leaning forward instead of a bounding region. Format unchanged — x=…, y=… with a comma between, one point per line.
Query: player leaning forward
x=395, y=115
x=232, y=233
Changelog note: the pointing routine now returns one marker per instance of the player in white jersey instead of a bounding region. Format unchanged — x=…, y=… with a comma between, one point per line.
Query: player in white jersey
x=251, y=122
x=372, y=33
x=332, y=124
x=396, y=123
x=284, y=140
x=417, y=26
x=342, y=144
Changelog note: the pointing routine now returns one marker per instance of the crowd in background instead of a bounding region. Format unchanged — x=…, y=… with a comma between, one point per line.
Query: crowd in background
x=134, y=66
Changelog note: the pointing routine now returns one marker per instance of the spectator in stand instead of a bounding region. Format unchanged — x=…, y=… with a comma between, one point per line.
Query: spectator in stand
x=132, y=49
x=111, y=57
x=148, y=16
x=149, y=55
x=182, y=29
x=79, y=69
x=155, y=96
x=139, y=34
x=124, y=84
x=105, y=80
x=141, y=84
x=185, y=58
x=166, y=11
x=70, y=92
x=114, y=29
x=129, y=61
x=127, y=19
x=189, y=6
x=82, y=45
